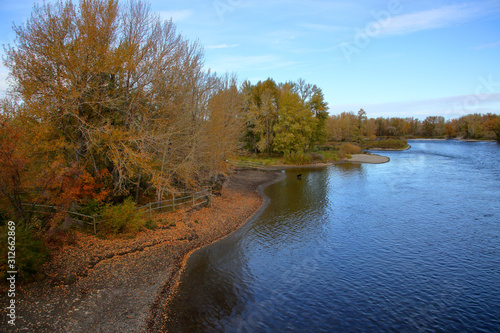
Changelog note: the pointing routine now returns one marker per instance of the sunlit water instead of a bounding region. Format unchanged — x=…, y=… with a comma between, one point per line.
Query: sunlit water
x=407, y=246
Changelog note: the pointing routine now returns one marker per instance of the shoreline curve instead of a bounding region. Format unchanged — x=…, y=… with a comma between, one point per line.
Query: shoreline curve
x=160, y=306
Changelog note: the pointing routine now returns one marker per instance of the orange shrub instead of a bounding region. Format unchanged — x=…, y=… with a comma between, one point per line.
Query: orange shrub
x=348, y=148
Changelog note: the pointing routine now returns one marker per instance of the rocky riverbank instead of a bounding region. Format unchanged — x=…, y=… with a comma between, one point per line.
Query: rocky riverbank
x=97, y=285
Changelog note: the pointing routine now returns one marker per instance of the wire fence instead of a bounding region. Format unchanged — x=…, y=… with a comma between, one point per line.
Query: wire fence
x=194, y=199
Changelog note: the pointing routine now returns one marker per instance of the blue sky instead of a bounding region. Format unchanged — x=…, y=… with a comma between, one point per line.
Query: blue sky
x=392, y=58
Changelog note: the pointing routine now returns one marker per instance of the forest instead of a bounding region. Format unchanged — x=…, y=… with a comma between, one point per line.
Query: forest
x=110, y=108
x=349, y=126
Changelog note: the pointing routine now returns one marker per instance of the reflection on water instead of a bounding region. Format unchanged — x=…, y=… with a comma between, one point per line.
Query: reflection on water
x=410, y=245
x=347, y=168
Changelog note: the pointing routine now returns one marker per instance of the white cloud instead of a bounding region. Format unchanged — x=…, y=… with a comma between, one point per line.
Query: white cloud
x=487, y=46
x=221, y=46
x=176, y=15
x=429, y=19
x=449, y=107
x=325, y=27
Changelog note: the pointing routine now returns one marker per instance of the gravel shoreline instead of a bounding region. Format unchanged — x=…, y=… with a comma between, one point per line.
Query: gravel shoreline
x=119, y=285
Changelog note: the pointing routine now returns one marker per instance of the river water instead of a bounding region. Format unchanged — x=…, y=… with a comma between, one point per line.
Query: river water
x=412, y=245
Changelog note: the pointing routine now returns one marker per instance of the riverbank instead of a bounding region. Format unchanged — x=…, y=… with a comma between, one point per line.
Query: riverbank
x=355, y=158
x=390, y=149
x=115, y=285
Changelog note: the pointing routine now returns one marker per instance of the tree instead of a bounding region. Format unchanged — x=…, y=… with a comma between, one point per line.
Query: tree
x=27, y=173
x=433, y=126
x=261, y=113
x=285, y=117
x=121, y=92
x=450, y=128
x=296, y=125
x=492, y=123
x=314, y=99
x=361, y=128
x=224, y=126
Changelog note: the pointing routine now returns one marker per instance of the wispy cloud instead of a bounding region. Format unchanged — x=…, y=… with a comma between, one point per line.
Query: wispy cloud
x=176, y=15
x=431, y=19
x=221, y=46
x=279, y=37
x=325, y=27
x=487, y=46
x=247, y=63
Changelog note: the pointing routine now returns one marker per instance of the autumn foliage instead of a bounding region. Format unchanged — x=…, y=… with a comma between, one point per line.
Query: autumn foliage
x=350, y=127
x=285, y=118
x=113, y=103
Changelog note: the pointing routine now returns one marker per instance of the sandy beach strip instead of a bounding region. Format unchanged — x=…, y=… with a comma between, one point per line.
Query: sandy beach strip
x=367, y=158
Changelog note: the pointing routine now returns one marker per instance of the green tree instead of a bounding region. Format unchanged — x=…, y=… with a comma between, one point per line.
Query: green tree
x=296, y=125
x=285, y=117
x=261, y=113
x=314, y=99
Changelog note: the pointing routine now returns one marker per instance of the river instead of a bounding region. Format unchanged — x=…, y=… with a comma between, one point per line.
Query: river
x=412, y=245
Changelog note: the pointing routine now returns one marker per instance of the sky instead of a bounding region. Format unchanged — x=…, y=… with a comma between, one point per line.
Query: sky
x=394, y=58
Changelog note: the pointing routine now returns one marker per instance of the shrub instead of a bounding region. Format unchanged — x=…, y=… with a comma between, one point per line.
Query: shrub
x=91, y=207
x=329, y=156
x=317, y=157
x=30, y=253
x=387, y=144
x=151, y=224
x=349, y=148
x=298, y=158
x=122, y=218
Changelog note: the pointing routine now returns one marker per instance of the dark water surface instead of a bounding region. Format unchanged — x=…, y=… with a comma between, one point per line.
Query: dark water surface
x=412, y=245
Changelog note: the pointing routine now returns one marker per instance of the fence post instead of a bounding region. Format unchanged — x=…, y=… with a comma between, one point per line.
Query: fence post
x=193, y=198
x=173, y=202
x=95, y=230
x=150, y=210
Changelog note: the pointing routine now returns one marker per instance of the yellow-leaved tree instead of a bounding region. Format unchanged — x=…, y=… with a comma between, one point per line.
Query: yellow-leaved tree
x=121, y=92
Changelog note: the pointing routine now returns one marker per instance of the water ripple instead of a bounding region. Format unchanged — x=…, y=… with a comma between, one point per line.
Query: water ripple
x=408, y=246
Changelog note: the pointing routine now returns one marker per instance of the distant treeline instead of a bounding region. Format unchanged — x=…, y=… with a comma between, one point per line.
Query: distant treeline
x=349, y=126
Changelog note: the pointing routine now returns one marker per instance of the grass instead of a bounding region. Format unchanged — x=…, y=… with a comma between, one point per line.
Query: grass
x=298, y=158
x=317, y=156
x=264, y=159
x=328, y=155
